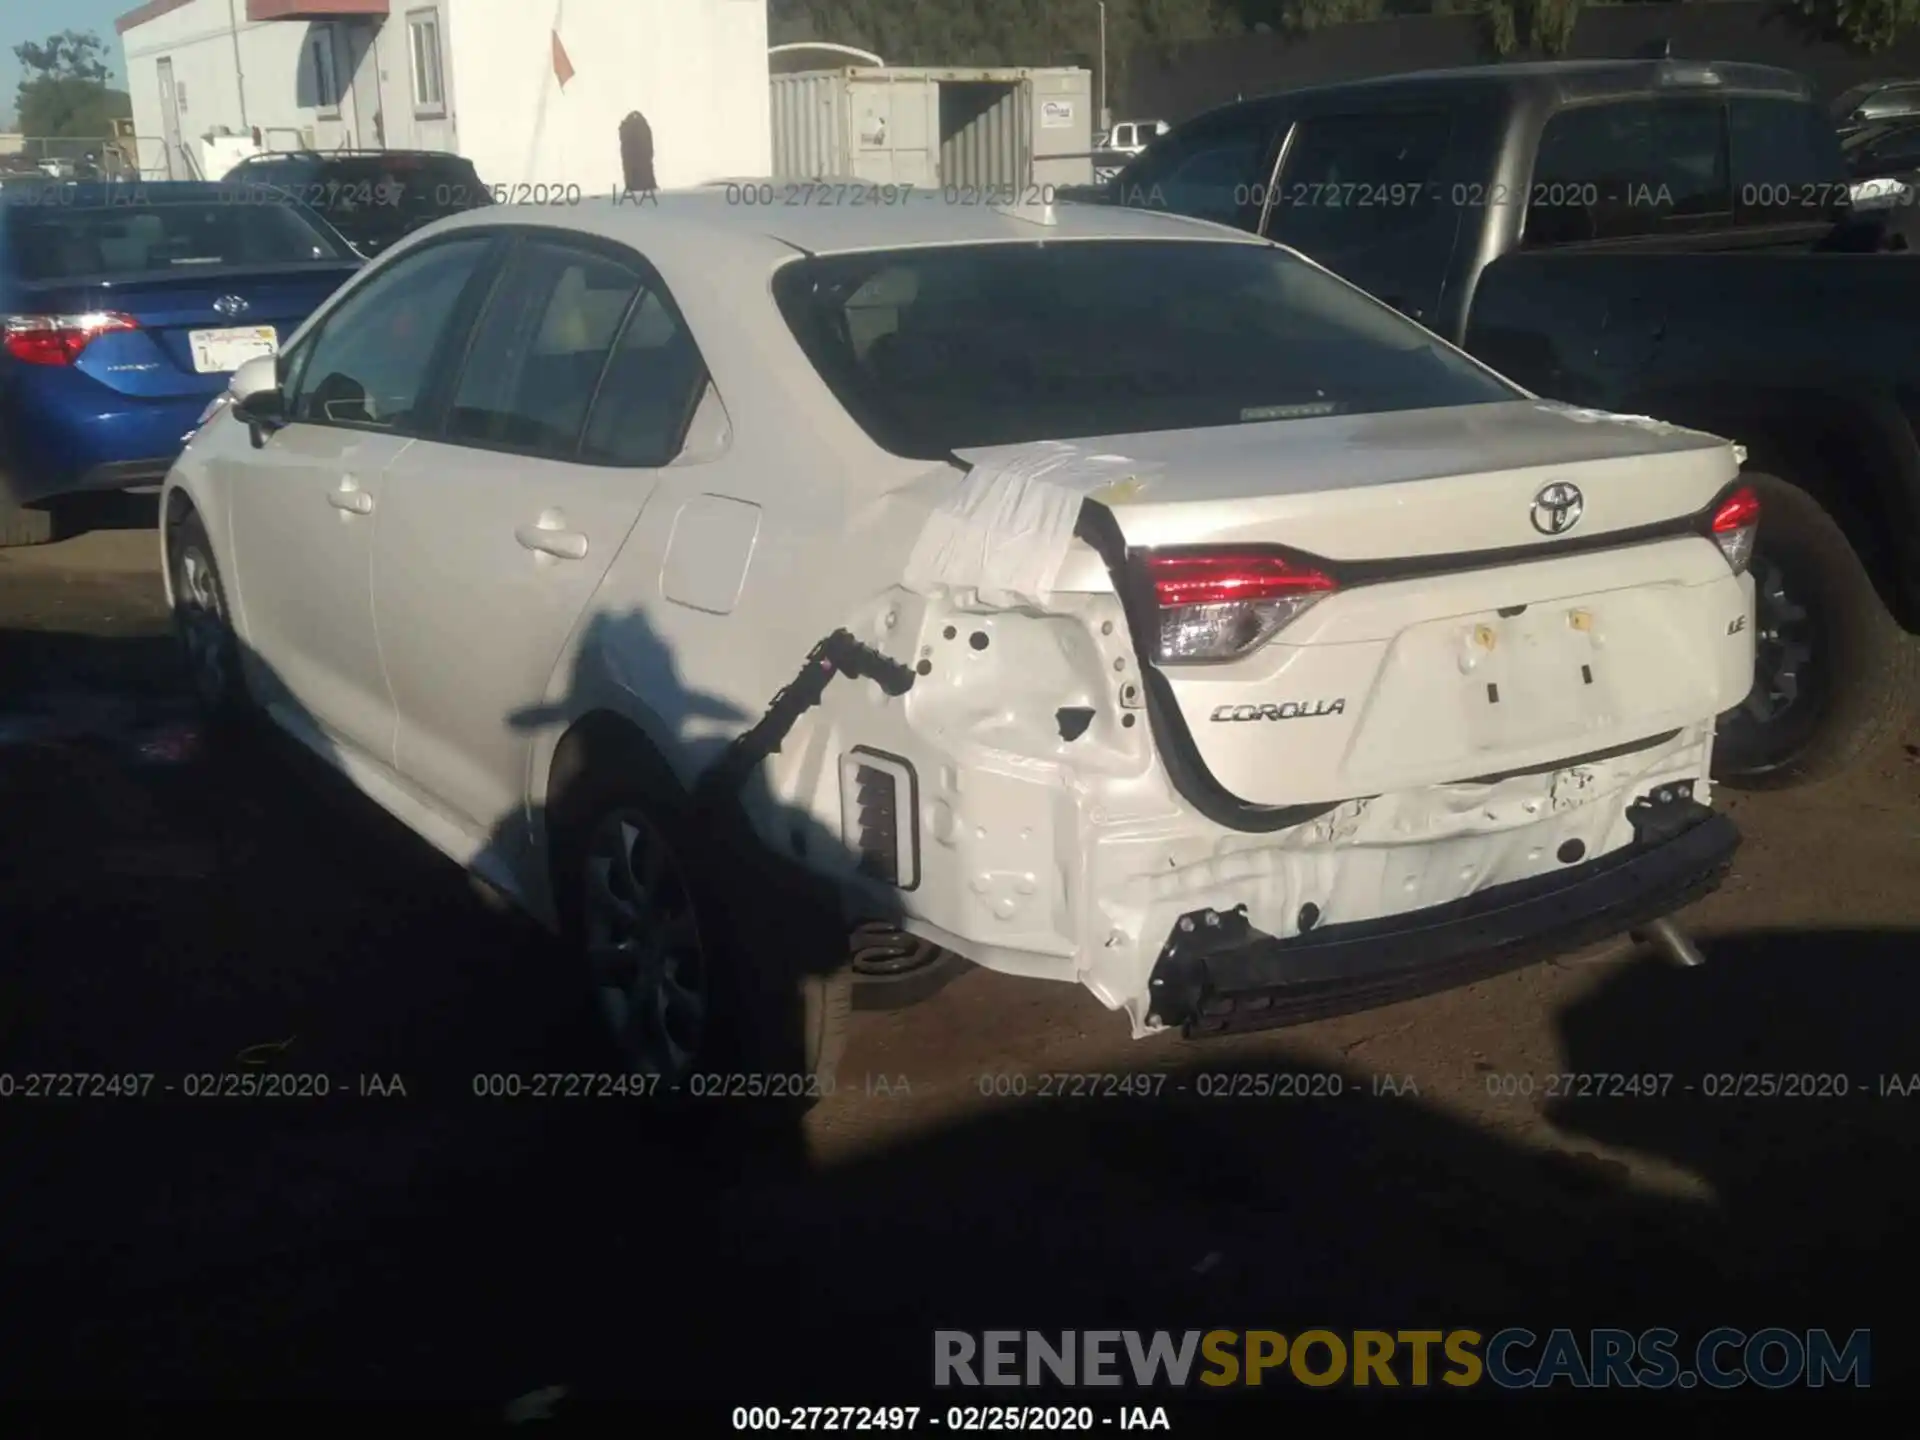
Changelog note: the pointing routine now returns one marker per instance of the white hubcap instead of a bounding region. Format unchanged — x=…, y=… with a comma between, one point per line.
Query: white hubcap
x=202, y=626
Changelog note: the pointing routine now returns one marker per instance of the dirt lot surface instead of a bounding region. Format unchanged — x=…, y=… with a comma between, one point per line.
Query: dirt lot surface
x=404, y=1242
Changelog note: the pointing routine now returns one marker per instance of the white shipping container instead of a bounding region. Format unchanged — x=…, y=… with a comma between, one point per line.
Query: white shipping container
x=1001, y=130
x=1062, y=127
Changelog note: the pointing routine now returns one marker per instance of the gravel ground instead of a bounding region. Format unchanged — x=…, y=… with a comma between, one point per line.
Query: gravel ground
x=405, y=1244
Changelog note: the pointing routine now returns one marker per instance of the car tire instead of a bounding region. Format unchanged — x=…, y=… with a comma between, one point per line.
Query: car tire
x=767, y=1011
x=203, y=621
x=25, y=526
x=1834, y=671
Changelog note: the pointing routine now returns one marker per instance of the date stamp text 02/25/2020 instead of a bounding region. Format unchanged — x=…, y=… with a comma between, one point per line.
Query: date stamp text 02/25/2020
x=81, y=1085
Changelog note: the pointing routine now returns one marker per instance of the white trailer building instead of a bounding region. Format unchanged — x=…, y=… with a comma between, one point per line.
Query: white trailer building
x=532, y=91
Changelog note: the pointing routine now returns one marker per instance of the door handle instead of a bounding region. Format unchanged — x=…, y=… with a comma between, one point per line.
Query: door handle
x=354, y=502
x=561, y=544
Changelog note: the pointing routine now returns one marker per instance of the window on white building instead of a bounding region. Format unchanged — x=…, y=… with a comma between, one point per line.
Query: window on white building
x=326, y=80
x=423, y=37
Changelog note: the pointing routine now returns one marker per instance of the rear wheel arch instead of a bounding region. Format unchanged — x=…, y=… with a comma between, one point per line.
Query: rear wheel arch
x=1859, y=460
x=601, y=748
x=1834, y=671
x=785, y=1017
x=1877, y=512
x=202, y=608
x=178, y=506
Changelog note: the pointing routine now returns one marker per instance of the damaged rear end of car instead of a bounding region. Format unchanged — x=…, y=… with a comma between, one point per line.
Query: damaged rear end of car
x=1339, y=679
x=1436, y=764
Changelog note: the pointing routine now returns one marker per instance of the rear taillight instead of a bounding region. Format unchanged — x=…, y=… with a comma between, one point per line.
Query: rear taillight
x=1221, y=604
x=59, y=339
x=1734, y=525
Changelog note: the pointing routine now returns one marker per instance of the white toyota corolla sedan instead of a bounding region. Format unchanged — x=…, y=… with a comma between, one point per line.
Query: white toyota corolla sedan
x=1096, y=595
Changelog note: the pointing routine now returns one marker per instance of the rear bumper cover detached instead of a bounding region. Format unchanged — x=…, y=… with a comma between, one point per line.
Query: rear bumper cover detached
x=1217, y=975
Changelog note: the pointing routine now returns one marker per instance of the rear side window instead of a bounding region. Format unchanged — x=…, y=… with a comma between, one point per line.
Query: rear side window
x=417, y=184
x=538, y=352
x=51, y=242
x=647, y=398
x=1353, y=180
x=380, y=197
x=945, y=348
x=1641, y=167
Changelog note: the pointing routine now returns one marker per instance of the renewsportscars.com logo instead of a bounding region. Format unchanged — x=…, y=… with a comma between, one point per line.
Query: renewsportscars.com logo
x=1512, y=1359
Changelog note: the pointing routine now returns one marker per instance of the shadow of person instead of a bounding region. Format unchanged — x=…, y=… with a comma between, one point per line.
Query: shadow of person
x=1792, y=1082
x=768, y=876
x=451, y=1248
x=323, y=941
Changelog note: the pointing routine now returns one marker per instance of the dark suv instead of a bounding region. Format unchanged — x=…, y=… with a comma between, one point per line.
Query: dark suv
x=1880, y=131
x=372, y=197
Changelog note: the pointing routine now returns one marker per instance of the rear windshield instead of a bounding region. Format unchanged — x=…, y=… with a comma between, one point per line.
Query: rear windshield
x=53, y=241
x=378, y=194
x=940, y=349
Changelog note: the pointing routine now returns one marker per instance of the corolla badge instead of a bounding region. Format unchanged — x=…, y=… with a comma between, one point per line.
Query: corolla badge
x=1285, y=710
x=1557, y=508
x=231, y=305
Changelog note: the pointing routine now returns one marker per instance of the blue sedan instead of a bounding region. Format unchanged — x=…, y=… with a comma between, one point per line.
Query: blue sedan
x=123, y=310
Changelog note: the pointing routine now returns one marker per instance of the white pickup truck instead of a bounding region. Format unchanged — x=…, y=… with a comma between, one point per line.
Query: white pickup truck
x=1128, y=138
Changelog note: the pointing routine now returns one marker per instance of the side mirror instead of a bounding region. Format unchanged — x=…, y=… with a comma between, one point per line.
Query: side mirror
x=255, y=388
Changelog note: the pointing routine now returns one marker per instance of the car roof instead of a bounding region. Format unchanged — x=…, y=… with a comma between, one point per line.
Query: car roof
x=718, y=254
x=711, y=224
x=92, y=194
x=1883, y=100
x=1565, y=80
x=321, y=157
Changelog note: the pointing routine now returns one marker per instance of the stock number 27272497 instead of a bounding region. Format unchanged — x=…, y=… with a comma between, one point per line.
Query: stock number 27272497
x=782, y=1418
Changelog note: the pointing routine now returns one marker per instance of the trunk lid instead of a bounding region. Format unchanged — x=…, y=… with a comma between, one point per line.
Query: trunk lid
x=1409, y=484
x=1460, y=637
x=221, y=304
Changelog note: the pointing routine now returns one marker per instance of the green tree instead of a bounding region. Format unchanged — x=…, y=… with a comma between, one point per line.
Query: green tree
x=63, y=88
x=1306, y=15
x=1868, y=24
x=1542, y=25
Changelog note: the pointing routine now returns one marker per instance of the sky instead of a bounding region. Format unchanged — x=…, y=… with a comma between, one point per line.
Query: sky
x=35, y=20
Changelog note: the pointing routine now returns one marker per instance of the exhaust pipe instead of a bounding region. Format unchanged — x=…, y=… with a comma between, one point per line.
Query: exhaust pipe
x=1666, y=937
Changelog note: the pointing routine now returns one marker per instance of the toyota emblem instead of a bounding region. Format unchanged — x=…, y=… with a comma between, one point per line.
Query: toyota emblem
x=1556, y=509
x=231, y=305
